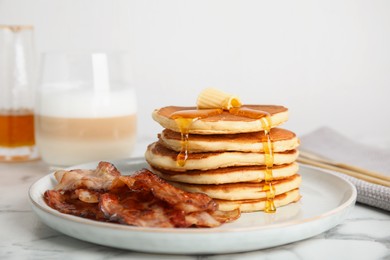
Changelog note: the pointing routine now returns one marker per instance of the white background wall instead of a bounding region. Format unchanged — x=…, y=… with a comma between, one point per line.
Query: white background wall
x=328, y=61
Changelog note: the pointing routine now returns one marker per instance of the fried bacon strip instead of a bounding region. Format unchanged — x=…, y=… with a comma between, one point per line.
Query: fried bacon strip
x=104, y=177
x=142, y=199
x=145, y=180
x=67, y=202
x=146, y=213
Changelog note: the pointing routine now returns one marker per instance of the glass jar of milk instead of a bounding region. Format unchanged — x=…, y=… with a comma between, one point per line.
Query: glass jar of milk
x=85, y=108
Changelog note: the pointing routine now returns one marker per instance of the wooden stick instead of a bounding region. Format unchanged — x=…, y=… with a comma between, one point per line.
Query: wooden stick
x=351, y=173
x=314, y=157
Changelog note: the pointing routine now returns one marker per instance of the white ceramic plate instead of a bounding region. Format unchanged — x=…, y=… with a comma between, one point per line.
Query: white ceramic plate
x=326, y=200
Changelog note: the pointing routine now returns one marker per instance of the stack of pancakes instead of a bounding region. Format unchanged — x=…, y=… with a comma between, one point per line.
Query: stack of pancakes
x=226, y=158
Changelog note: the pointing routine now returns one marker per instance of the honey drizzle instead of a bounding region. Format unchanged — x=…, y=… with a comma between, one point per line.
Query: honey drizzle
x=184, y=125
x=185, y=118
x=265, y=119
x=269, y=163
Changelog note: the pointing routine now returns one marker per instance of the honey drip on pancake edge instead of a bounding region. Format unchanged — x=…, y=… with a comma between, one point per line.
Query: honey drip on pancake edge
x=269, y=163
x=185, y=118
x=265, y=119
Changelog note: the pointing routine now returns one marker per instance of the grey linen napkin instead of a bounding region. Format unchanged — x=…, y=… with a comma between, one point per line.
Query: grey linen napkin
x=330, y=144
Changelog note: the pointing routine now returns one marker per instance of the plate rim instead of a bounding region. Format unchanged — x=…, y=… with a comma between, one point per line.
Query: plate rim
x=350, y=201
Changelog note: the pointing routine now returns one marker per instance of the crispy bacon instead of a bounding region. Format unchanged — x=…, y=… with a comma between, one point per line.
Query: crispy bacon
x=88, y=196
x=149, y=213
x=145, y=180
x=226, y=216
x=104, y=177
x=67, y=202
x=142, y=199
x=201, y=219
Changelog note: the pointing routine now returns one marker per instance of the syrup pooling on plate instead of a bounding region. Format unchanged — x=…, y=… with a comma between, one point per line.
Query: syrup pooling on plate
x=184, y=119
x=265, y=119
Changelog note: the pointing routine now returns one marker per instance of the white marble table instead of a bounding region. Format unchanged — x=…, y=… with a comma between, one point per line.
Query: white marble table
x=365, y=234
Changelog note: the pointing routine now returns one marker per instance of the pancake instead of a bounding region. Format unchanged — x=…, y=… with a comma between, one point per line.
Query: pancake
x=227, y=175
x=282, y=140
x=241, y=190
x=224, y=123
x=259, y=204
x=157, y=155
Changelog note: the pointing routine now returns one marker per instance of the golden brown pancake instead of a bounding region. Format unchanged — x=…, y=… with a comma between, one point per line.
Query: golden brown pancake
x=225, y=155
x=282, y=140
x=224, y=123
x=227, y=175
x=241, y=190
x=157, y=155
x=259, y=204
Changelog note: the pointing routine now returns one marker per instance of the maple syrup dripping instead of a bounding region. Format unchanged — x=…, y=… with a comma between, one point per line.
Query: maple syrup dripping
x=184, y=119
x=269, y=163
x=265, y=120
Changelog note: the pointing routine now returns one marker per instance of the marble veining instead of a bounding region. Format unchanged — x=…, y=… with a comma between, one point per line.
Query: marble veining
x=365, y=234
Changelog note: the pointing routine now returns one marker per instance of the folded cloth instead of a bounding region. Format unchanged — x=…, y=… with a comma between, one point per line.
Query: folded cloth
x=331, y=145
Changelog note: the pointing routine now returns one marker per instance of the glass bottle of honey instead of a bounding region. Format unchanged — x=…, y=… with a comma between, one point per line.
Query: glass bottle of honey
x=16, y=93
